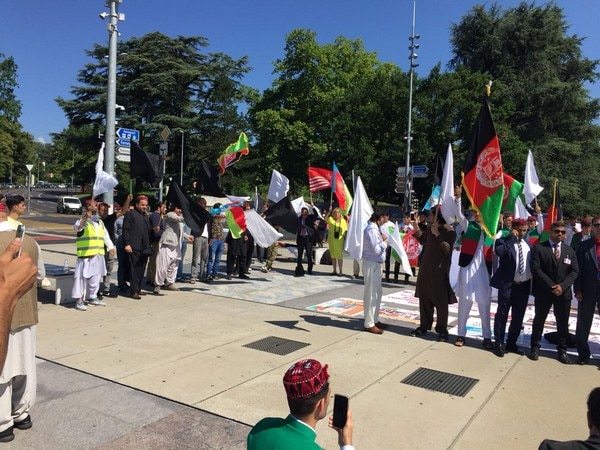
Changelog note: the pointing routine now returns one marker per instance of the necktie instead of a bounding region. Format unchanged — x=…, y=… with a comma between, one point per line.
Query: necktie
x=521, y=262
x=556, y=252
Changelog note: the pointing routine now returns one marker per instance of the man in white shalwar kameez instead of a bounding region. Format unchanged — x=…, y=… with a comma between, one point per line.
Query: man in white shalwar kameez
x=169, y=251
x=90, y=268
x=473, y=283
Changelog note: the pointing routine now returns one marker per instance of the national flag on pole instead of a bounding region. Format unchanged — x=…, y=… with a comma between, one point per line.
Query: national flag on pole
x=448, y=205
x=236, y=221
x=145, y=165
x=438, y=174
x=512, y=190
x=104, y=182
x=319, y=179
x=359, y=216
x=482, y=171
x=339, y=188
x=195, y=216
x=233, y=153
x=555, y=212
x=209, y=180
x=532, y=187
x=279, y=187
x=433, y=199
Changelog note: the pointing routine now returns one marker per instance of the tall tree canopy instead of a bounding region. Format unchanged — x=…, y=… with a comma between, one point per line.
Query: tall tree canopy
x=542, y=103
x=162, y=81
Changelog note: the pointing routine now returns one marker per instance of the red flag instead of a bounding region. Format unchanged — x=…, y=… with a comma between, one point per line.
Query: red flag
x=555, y=212
x=482, y=171
x=318, y=178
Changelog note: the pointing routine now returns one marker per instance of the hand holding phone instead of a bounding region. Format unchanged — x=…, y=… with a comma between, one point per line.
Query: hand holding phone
x=340, y=410
x=19, y=234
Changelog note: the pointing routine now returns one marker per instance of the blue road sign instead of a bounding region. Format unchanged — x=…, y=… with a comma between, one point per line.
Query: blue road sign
x=123, y=142
x=420, y=170
x=128, y=133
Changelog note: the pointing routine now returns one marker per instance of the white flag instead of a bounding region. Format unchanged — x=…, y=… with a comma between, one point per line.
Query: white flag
x=520, y=210
x=448, y=205
x=359, y=216
x=104, y=181
x=531, y=186
x=279, y=186
x=396, y=243
x=298, y=204
x=262, y=232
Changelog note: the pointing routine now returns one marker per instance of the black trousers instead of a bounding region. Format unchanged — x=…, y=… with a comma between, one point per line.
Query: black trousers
x=562, y=308
x=426, y=308
x=304, y=244
x=235, y=262
x=514, y=298
x=137, y=262
x=585, y=316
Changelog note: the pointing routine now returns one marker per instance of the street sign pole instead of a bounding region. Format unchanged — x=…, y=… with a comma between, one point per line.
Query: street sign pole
x=29, y=167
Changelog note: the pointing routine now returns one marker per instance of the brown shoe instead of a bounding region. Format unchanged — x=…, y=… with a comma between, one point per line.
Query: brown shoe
x=373, y=330
x=135, y=297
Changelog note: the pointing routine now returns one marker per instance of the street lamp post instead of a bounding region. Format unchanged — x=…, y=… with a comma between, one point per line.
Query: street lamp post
x=412, y=57
x=111, y=94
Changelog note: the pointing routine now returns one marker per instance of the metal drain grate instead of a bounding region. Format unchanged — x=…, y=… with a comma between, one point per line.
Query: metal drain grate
x=277, y=345
x=444, y=382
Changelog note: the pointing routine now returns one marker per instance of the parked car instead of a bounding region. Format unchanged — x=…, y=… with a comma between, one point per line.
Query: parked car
x=69, y=205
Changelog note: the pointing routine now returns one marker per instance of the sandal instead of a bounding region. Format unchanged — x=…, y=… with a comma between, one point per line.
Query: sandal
x=417, y=332
x=460, y=341
x=487, y=344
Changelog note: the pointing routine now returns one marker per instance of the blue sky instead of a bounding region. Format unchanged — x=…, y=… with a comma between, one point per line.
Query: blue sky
x=48, y=39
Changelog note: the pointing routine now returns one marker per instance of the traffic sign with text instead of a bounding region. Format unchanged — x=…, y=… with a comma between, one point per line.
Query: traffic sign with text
x=123, y=158
x=123, y=142
x=123, y=151
x=128, y=133
x=420, y=170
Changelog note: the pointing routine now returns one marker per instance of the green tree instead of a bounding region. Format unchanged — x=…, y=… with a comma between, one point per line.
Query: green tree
x=161, y=81
x=542, y=103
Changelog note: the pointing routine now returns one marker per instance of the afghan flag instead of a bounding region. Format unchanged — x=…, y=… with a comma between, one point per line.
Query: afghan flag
x=339, y=188
x=512, y=189
x=482, y=171
x=319, y=179
x=233, y=153
x=236, y=221
x=555, y=212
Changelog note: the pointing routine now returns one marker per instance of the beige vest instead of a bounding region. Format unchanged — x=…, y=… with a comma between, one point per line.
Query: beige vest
x=26, y=310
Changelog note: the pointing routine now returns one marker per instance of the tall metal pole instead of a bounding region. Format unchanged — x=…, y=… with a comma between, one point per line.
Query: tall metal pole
x=181, y=170
x=111, y=95
x=412, y=57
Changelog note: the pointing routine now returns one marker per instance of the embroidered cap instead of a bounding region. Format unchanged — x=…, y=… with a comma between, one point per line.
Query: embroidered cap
x=305, y=379
x=519, y=222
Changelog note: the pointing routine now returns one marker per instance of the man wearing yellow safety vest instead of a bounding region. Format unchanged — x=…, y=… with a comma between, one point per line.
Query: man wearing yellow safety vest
x=92, y=237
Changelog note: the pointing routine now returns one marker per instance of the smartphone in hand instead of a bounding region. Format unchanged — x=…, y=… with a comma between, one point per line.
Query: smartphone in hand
x=340, y=410
x=19, y=234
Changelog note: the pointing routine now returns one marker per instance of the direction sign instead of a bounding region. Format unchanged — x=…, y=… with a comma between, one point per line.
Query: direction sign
x=123, y=151
x=420, y=170
x=128, y=133
x=123, y=158
x=123, y=142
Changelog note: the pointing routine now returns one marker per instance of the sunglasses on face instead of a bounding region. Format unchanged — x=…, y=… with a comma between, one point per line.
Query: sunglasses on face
x=559, y=231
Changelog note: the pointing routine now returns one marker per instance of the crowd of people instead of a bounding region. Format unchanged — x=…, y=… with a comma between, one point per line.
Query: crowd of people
x=521, y=260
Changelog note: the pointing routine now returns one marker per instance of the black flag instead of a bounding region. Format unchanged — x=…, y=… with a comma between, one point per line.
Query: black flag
x=209, y=180
x=145, y=165
x=439, y=170
x=195, y=216
x=282, y=214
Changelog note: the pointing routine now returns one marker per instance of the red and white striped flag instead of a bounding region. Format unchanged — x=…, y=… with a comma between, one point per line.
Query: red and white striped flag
x=319, y=179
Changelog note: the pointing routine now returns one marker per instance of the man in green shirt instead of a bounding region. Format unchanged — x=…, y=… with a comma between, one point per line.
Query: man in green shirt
x=307, y=388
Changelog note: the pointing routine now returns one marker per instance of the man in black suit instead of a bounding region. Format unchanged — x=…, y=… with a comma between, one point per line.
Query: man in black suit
x=587, y=289
x=304, y=236
x=513, y=281
x=554, y=269
x=136, y=242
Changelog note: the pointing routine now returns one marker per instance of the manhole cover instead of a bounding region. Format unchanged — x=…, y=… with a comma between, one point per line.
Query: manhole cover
x=277, y=345
x=434, y=380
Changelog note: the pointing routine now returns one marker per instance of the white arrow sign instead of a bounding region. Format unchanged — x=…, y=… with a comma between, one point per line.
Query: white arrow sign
x=124, y=151
x=123, y=158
